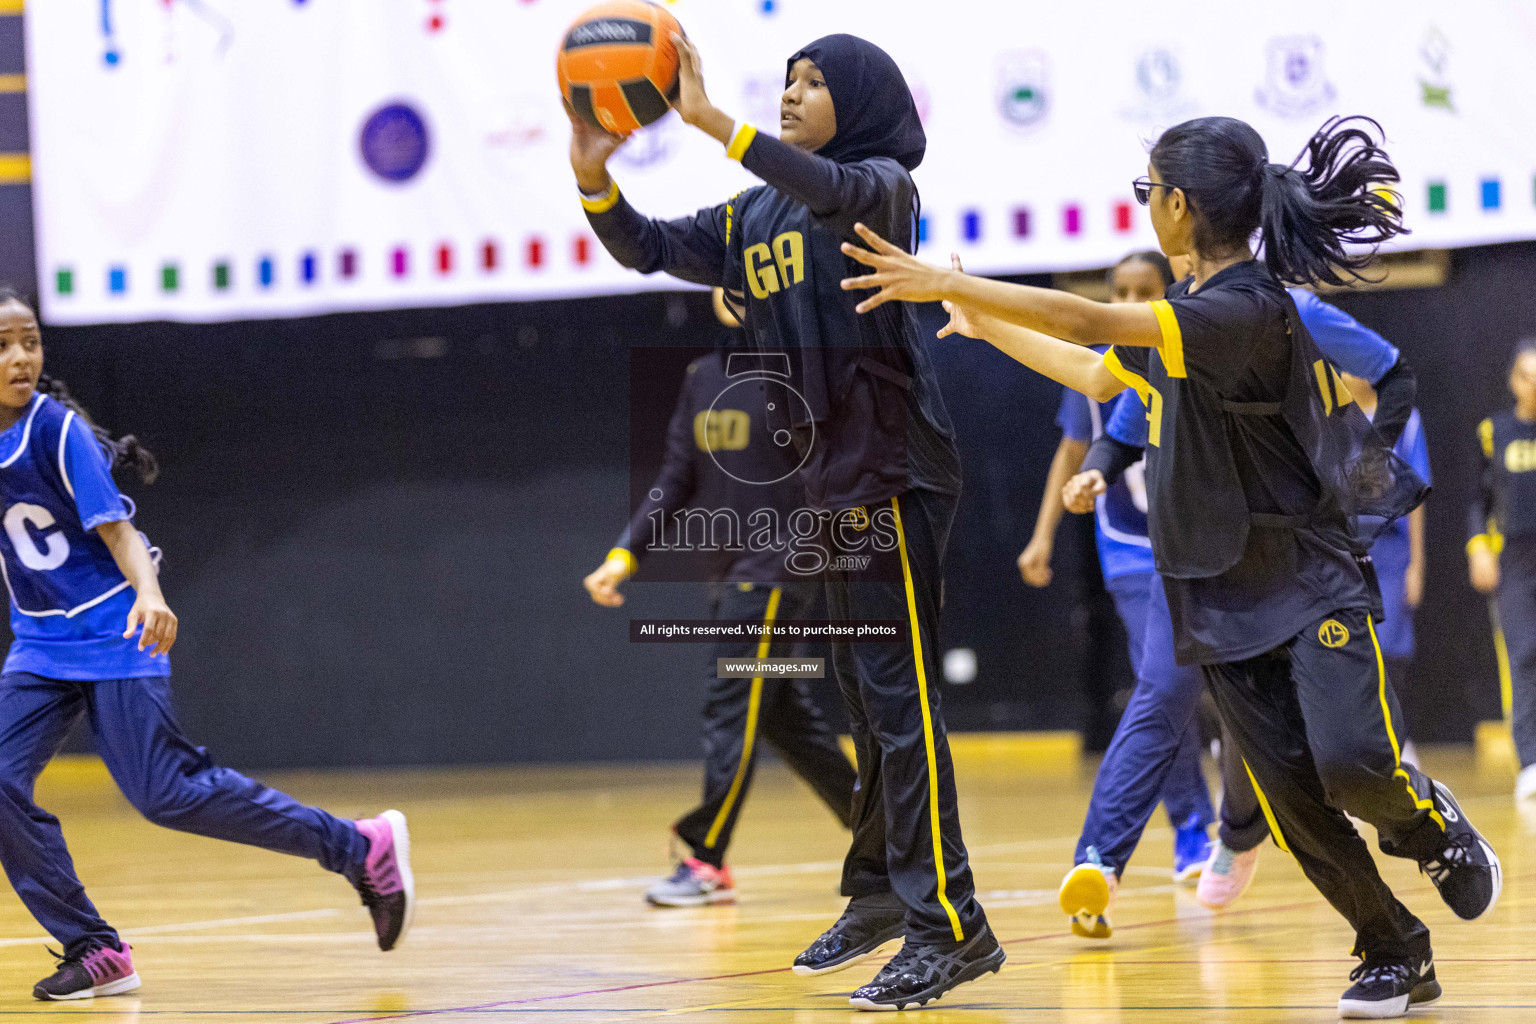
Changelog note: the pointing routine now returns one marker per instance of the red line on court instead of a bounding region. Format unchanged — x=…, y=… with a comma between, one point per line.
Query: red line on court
x=750, y=974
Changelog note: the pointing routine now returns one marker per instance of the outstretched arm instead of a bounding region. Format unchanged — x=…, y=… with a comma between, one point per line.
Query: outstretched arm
x=1080, y=369
x=902, y=277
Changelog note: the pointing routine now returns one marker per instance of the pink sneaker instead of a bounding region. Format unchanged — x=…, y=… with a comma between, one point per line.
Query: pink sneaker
x=1226, y=876
x=386, y=885
x=99, y=971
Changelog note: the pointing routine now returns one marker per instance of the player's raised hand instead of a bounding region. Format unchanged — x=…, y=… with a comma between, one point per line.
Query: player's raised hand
x=603, y=583
x=159, y=624
x=692, y=101
x=590, y=149
x=1082, y=490
x=898, y=274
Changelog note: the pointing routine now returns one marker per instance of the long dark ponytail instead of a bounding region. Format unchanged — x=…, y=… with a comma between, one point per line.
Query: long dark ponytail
x=1306, y=217
x=123, y=451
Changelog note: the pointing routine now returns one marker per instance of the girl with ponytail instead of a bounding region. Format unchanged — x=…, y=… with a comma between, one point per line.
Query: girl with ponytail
x=92, y=634
x=1259, y=466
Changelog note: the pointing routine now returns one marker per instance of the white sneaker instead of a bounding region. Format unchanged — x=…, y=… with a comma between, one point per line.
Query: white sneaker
x=1525, y=783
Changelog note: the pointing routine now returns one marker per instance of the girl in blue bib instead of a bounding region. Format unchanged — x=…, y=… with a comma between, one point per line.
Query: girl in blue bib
x=92, y=635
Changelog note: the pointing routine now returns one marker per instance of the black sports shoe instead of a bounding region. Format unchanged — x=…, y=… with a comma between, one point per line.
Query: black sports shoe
x=918, y=975
x=868, y=923
x=1388, y=987
x=1467, y=871
x=94, y=970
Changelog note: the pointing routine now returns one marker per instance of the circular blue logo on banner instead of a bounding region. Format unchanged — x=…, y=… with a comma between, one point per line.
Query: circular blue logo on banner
x=395, y=143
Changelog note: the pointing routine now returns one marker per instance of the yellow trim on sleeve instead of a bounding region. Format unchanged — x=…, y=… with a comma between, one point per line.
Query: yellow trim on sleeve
x=1127, y=377
x=606, y=202
x=737, y=147
x=1493, y=543
x=928, y=741
x=1485, y=435
x=15, y=168
x=625, y=556
x=1173, y=338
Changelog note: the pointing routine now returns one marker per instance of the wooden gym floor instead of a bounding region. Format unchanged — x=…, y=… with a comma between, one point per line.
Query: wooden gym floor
x=530, y=882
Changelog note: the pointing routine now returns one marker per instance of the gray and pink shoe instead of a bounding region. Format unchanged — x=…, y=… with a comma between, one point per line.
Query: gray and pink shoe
x=386, y=885
x=91, y=972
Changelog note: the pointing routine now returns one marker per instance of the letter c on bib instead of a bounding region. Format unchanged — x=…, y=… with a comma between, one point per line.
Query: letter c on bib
x=17, y=517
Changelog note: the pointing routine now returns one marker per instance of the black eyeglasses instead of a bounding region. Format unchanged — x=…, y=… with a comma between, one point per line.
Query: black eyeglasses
x=1143, y=187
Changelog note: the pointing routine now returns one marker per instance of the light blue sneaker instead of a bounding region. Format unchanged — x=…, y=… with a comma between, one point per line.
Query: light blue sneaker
x=1192, y=849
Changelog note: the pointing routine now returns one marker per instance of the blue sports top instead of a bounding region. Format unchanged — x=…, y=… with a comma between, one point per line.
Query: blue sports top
x=69, y=600
x=1120, y=513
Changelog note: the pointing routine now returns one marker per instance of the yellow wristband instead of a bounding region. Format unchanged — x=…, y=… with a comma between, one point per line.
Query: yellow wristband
x=737, y=148
x=1490, y=543
x=630, y=565
x=605, y=202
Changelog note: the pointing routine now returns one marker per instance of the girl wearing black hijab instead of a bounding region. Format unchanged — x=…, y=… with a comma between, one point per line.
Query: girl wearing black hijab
x=879, y=467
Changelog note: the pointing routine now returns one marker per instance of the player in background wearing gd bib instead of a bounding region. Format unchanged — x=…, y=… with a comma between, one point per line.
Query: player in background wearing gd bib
x=83, y=582
x=1258, y=463
x=1126, y=788
x=1154, y=738
x=1501, y=555
x=720, y=456
x=883, y=452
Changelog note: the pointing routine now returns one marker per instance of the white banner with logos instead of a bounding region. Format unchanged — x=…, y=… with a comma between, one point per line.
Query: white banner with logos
x=225, y=159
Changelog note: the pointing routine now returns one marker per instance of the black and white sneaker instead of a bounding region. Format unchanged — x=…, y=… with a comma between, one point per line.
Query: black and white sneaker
x=1467, y=871
x=868, y=923
x=1387, y=988
x=918, y=975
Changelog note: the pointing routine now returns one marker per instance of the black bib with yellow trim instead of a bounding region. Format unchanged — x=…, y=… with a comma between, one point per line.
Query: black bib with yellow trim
x=1199, y=513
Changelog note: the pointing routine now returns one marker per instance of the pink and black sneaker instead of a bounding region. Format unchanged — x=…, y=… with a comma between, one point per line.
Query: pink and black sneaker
x=94, y=971
x=386, y=884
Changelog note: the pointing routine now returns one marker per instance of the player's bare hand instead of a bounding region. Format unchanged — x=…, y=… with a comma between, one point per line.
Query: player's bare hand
x=1484, y=570
x=692, y=102
x=1035, y=563
x=1082, y=490
x=961, y=320
x=591, y=147
x=603, y=583
x=158, y=622
x=898, y=274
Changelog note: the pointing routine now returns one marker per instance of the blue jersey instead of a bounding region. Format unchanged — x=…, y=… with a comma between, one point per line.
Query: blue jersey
x=1120, y=514
x=69, y=600
x=1391, y=552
